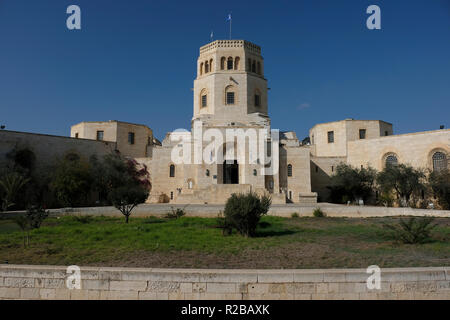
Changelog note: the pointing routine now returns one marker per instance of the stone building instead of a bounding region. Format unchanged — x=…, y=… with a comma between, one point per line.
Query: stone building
x=230, y=95
x=132, y=140
x=363, y=143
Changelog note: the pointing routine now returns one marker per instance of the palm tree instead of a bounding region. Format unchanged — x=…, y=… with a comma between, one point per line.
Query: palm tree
x=11, y=183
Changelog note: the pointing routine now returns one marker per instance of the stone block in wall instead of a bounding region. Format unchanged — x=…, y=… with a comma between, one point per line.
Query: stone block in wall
x=9, y=293
x=186, y=287
x=308, y=276
x=47, y=294
x=62, y=294
x=229, y=276
x=199, y=287
x=221, y=287
x=30, y=293
x=163, y=286
x=50, y=283
x=128, y=285
x=300, y=288
x=95, y=284
x=119, y=295
x=18, y=282
x=275, y=277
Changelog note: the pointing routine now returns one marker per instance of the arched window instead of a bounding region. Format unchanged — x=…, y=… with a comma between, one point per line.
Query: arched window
x=254, y=66
x=236, y=63
x=230, y=63
x=230, y=95
x=206, y=67
x=211, y=65
x=172, y=171
x=258, y=67
x=439, y=161
x=391, y=160
x=222, y=63
x=190, y=184
x=201, y=68
x=289, y=170
x=203, y=98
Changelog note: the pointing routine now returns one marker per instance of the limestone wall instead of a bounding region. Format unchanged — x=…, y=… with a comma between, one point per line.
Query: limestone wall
x=280, y=210
x=48, y=148
x=49, y=282
x=415, y=149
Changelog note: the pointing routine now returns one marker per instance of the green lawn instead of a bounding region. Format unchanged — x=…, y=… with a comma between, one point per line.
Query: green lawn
x=198, y=243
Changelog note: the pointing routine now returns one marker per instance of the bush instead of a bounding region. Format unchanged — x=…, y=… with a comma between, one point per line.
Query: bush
x=243, y=212
x=412, y=231
x=318, y=213
x=440, y=184
x=175, y=214
x=83, y=219
x=295, y=215
x=31, y=220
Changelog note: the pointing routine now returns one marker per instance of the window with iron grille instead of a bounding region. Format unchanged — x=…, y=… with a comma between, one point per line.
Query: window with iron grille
x=289, y=170
x=439, y=161
x=230, y=97
x=330, y=136
x=204, y=100
x=391, y=160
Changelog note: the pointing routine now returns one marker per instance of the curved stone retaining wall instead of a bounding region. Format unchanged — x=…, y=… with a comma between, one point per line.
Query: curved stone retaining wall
x=49, y=282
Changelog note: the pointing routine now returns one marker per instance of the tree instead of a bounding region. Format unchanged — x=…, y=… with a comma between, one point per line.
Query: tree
x=72, y=180
x=353, y=182
x=126, y=183
x=31, y=220
x=243, y=212
x=11, y=184
x=439, y=182
x=402, y=179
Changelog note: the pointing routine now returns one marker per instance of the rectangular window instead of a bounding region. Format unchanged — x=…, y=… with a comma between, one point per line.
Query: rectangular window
x=99, y=135
x=332, y=168
x=362, y=133
x=131, y=137
x=257, y=100
x=76, y=134
x=230, y=97
x=386, y=133
x=330, y=136
x=204, y=101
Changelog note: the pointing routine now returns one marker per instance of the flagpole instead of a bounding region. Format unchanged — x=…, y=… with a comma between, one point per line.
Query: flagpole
x=231, y=20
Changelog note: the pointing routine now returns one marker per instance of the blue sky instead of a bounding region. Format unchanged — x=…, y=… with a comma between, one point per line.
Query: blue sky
x=136, y=61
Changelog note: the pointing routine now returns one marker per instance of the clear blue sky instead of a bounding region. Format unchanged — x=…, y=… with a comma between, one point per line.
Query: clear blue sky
x=136, y=61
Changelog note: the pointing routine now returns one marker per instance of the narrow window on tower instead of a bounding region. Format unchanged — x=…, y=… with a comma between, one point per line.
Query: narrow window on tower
x=204, y=100
x=230, y=63
x=257, y=100
x=230, y=97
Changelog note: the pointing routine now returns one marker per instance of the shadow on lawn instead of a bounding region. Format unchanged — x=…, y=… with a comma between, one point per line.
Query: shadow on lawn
x=272, y=233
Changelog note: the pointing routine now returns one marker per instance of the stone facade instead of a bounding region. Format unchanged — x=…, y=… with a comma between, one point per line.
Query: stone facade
x=132, y=140
x=48, y=148
x=363, y=143
x=49, y=283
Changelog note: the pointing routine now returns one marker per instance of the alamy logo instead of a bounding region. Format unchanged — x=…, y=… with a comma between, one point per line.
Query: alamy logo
x=74, y=20
x=374, y=280
x=374, y=20
x=259, y=147
x=73, y=281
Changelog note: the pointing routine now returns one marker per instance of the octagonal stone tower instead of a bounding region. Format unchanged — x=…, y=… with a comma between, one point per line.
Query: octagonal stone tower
x=230, y=83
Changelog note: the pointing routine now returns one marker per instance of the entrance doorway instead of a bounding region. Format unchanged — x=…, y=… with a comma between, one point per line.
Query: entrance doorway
x=230, y=172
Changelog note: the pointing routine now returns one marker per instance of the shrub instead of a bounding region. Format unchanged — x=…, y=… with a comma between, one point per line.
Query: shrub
x=243, y=212
x=31, y=220
x=318, y=213
x=412, y=231
x=175, y=213
x=11, y=185
x=83, y=219
x=295, y=215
